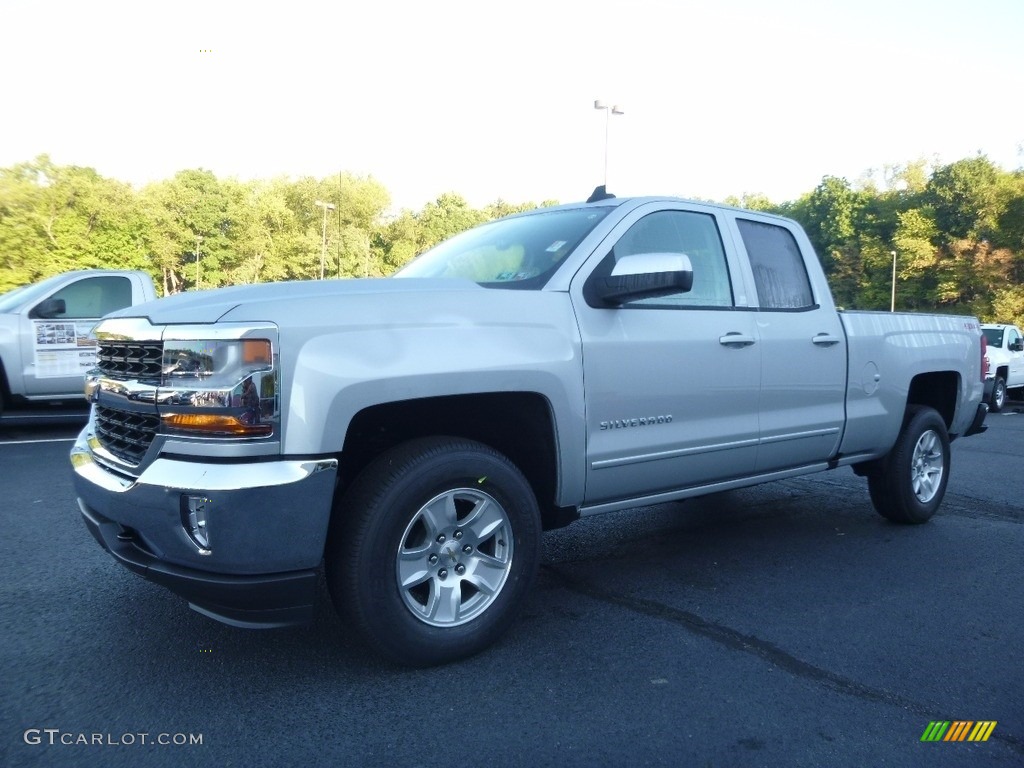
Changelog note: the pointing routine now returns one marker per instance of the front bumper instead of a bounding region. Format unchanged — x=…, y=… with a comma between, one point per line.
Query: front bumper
x=274, y=600
x=267, y=525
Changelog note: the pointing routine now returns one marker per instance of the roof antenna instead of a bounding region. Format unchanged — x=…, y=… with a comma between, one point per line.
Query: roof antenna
x=599, y=193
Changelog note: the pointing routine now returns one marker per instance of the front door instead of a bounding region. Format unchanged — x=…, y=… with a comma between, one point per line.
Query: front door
x=59, y=348
x=671, y=383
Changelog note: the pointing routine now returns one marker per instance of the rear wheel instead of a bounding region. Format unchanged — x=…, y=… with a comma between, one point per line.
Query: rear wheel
x=909, y=483
x=433, y=549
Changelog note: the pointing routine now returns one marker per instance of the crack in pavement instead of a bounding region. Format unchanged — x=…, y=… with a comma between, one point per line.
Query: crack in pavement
x=732, y=639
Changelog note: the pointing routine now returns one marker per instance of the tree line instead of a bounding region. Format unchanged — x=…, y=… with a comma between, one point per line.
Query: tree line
x=957, y=231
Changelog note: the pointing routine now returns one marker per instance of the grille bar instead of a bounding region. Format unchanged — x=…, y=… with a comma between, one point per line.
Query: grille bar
x=141, y=360
x=126, y=434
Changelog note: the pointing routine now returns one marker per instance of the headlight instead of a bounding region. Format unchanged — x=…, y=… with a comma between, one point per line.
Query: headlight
x=213, y=363
x=220, y=388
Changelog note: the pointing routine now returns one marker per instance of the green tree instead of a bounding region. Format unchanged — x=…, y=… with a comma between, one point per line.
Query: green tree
x=57, y=218
x=446, y=216
x=829, y=215
x=396, y=241
x=192, y=229
x=969, y=273
x=965, y=198
x=917, y=259
x=1008, y=306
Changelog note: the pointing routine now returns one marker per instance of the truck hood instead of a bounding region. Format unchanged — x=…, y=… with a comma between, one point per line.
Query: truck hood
x=273, y=302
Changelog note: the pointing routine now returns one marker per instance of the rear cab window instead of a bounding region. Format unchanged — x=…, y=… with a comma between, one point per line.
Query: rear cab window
x=780, y=274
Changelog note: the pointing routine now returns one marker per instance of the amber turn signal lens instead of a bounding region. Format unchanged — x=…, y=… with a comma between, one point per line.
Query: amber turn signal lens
x=215, y=424
x=256, y=351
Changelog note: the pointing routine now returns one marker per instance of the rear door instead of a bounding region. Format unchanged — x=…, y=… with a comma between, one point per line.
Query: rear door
x=671, y=383
x=803, y=349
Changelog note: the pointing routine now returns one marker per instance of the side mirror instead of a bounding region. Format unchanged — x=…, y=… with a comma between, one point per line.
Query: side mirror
x=647, y=275
x=1017, y=346
x=48, y=309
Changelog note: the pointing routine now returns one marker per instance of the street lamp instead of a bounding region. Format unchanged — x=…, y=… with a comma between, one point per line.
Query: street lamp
x=892, y=307
x=199, y=239
x=614, y=109
x=323, y=246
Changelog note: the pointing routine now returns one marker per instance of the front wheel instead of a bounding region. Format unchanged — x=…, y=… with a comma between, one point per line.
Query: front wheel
x=909, y=483
x=433, y=550
x=998, y=399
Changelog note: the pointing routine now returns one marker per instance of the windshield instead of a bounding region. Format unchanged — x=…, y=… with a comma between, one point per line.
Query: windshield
x=515, y=252
x=26, y=294
x=993, y=336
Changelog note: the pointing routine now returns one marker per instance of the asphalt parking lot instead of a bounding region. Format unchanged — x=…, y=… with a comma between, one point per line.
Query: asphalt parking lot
x=781, y=625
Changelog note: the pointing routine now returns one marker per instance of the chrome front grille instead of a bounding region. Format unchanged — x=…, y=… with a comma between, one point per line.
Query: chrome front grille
x=126, y=434
x=131, y=360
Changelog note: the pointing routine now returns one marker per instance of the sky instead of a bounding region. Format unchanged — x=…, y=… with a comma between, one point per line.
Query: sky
x=496, y=100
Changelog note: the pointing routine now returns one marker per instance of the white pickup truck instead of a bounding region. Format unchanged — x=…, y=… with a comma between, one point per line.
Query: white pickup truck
x=1005, y=362
x=46, y=340
x=414, y=435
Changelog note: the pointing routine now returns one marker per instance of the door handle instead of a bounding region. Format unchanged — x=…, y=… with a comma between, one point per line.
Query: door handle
x=735, y=339
x=825, y=339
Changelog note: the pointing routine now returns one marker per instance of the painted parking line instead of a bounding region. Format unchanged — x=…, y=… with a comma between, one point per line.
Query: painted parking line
x=48, y=440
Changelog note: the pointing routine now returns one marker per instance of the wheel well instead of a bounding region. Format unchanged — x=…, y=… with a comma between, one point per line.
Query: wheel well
x=938, y=390
x=1003, y=371
x=517, y=424
x=5, y=390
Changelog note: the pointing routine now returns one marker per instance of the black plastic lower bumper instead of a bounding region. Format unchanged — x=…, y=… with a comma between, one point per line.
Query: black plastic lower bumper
x=264, y=601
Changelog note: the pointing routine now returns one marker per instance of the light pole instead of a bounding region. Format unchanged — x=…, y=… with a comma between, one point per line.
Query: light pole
x=614, y=109
x=199, y=239
x=323, y=246
x=892, y=307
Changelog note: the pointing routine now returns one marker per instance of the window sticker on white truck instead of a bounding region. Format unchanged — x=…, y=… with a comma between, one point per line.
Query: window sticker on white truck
x=64, y=348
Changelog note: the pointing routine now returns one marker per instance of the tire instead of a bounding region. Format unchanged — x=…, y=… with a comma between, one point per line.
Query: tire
x=910, y=482
x=433, y=549
x=998, y=398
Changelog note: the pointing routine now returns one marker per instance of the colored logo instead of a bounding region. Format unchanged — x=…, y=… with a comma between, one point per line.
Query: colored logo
x=958, y=730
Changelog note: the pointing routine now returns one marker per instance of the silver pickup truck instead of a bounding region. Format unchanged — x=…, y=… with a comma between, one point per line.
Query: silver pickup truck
x=414, y=435
x=47, y=343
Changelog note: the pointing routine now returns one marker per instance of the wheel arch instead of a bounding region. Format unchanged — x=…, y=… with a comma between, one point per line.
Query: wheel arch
x=520, y=425
x=5, y=389
x=939, y=390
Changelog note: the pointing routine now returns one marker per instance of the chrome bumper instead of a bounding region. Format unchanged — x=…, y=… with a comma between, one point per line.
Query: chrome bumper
x=266, y=523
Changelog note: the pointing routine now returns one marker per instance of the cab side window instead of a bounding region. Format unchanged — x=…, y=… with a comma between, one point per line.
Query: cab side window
x=94, y=297
x=779, y=271
x=679, y=232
